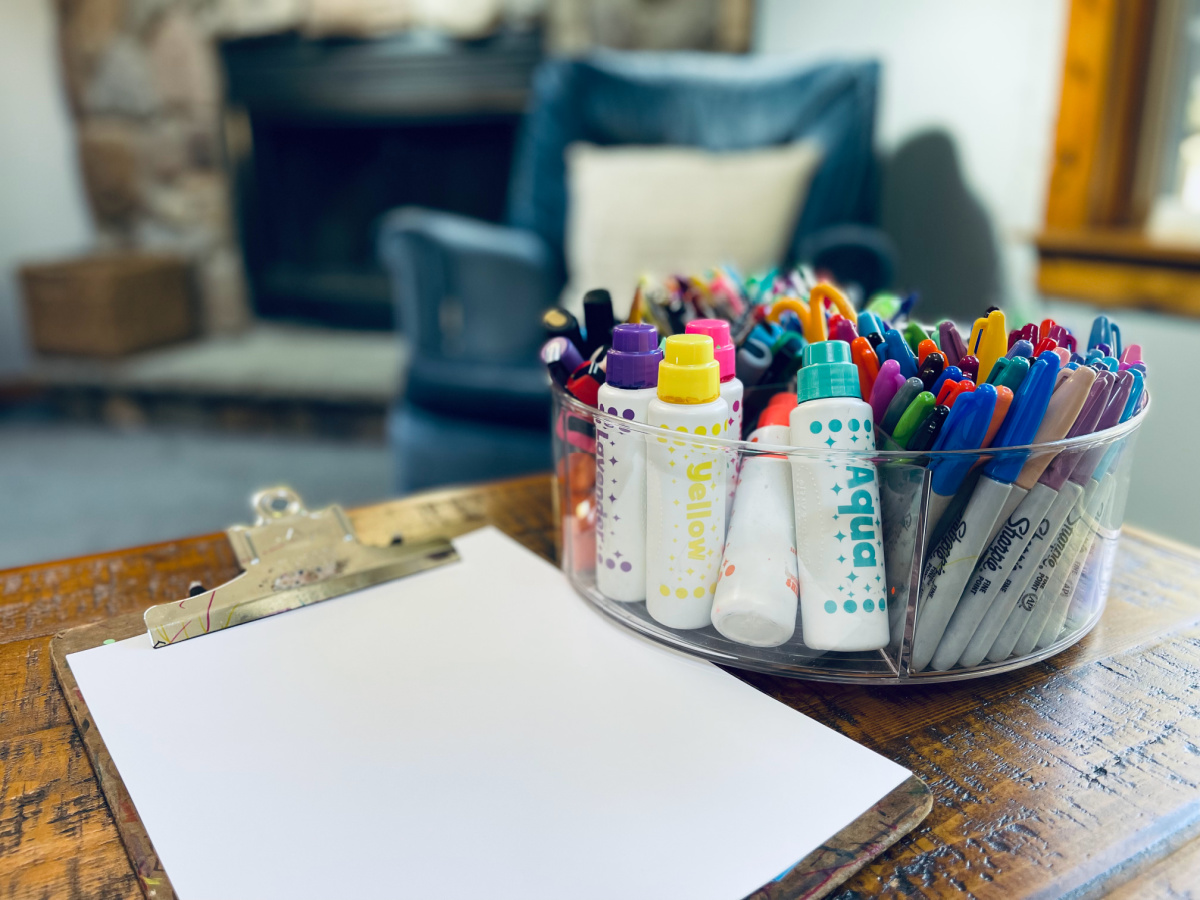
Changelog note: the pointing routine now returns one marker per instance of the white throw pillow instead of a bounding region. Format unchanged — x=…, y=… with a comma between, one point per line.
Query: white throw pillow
x=661, y=211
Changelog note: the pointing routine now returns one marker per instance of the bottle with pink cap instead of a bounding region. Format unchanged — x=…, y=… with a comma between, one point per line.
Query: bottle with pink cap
x=731, y=388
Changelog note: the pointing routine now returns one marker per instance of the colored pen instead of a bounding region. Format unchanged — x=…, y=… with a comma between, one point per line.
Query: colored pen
x=898, y=349
x=863, y=356
x=1027, y=332
x=951, y=342
x=970, y=367
x=931, y=367
x=886, y=384
x=989, y=341
x=753, y=359
x=844, y=330
x=1029, y=500
x=914, y=334
x=949, y=373
x=926, y=347
x=1004, y=398
x=927, y=433
x=949, y=390
x=561, y=359
x=598, y=317
x=1014, y=372
x=965, y=429
x=558, y=322
x=1105, y=331
x=918, y=411
x=952, y=559
x=903, y=398
x=1021, y=348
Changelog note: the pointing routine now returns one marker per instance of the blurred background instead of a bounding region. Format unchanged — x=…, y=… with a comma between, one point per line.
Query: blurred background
x=245, y=242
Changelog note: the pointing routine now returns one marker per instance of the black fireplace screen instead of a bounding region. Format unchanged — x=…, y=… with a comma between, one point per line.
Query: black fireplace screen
x=335, y=133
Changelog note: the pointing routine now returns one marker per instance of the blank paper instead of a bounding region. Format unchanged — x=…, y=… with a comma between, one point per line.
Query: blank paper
x=472, y=731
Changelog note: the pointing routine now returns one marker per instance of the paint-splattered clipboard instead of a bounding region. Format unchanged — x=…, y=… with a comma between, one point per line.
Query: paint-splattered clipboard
x=293, y=558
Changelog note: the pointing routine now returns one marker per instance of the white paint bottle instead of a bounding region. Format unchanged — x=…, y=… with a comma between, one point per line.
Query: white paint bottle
x=756, y=596
x=839, y=539
x=631, y=383
x=685, y=485
x=731, y=392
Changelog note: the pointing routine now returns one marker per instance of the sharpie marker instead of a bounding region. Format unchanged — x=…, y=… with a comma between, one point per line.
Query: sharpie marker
x=561, y=359
x=886, y=384
x=965, y=429
x=898, y=349
x=951, y=342
x=598, y=316
x=1033, y=500
x=560, y=323
x=949, y=373
x=989, y=341
x=918, y=411
x=932, y=365
x=952, y=559
x=905, y=395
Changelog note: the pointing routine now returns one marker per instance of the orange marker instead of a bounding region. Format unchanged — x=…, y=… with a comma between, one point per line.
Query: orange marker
x=1004, y=398
x=924, y=348
x=864, y=356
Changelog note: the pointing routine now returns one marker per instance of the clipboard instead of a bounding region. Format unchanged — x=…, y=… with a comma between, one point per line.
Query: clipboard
x=815, y=876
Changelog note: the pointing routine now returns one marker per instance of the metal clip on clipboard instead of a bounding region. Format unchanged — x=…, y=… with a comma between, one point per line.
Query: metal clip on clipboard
x=290, y=557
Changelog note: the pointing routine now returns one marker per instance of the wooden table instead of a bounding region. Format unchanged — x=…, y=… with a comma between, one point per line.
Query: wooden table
x=1078, y=776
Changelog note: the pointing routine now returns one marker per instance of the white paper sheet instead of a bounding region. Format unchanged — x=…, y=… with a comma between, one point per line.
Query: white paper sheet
x=475, y=731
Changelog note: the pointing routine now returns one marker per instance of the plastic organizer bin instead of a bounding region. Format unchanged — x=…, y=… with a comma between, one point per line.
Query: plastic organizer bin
x=1067, y=582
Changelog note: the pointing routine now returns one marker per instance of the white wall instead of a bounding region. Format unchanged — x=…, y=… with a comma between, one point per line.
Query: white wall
x=986, y=71
x=42, y=207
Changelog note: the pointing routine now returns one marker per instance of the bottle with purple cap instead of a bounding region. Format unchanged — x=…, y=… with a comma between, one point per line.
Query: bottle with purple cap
x=631, y=383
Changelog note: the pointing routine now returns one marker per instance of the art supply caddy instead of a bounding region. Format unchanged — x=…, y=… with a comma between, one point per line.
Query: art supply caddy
x=860, y=497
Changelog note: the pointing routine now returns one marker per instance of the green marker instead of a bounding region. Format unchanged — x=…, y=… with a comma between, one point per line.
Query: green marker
x=913, y=335
x=916, y=414
x=1012, y=375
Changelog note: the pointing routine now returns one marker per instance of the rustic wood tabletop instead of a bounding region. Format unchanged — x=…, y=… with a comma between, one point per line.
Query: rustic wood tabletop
x=1074, y=777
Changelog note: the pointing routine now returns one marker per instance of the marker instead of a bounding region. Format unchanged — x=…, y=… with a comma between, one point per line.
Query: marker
x=584, y=383
x=951, y=342
x=1030, y=500
x=598, y=317
x=786, y=359
x=558, y=322
x=631, y=383
x=988, y=341
x=561, y=359
x=1036, y=598
x=753, y=359
x=869, y=323
x=1105, y=331
x=1014, y=373
x=898, y=349
x=949, y=373
x=1046, y=343
x=926, y=347
x=867, y=362
x=931, y=367
x=926, y=436
x=1064, y=337
x=844, y=330
x=1131, y=355
x=1012, y=606
x=1021, y=348
x=914, y=334
x=950, y=390
x=918, y=411
x=904, y=397
x=951, y=560
x=964, y=430
x=970, y=367
x=685, y=539
x=1004, y=398
x=886, y=384
x=1027, y=332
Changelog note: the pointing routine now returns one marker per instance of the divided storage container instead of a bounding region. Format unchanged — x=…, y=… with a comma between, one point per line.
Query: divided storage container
x=1065, y=579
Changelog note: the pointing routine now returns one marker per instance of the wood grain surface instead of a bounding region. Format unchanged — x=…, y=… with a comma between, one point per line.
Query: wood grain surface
x=1078, y=776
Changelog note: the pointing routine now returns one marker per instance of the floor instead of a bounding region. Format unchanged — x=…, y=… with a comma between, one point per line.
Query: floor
x=70, y=489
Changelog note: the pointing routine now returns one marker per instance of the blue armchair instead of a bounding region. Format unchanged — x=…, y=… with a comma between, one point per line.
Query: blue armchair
x=469, y=294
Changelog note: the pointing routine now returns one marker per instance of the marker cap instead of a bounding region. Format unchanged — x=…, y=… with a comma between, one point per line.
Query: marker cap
x=1028, y=406
x=827, y=372
x=633, y=360
x=688, y=373
x=723, y=349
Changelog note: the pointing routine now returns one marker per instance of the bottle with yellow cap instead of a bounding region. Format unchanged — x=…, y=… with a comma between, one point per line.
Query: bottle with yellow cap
x=839, y=539
x=685, y=485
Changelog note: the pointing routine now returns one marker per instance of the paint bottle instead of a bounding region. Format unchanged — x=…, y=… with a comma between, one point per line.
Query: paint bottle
x=731, y=392
x=756, y=595
x=839, y=540
x=632, y=380
x=685, y=485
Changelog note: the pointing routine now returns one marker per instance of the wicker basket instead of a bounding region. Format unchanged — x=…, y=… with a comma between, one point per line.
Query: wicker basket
x=109, y=305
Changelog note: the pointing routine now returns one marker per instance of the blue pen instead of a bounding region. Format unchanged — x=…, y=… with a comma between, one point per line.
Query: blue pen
x=1105, y=331
x=950, y=373
x=952, y=559
x=898, y=349
x=1021, y=348
x=869, y=323
x=964, y=430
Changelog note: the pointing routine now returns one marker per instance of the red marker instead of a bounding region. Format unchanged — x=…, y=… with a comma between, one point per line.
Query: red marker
x=951, y=389
x=1004, y=398
x=970, y=367
x=1044, y=329
x=1046, y=343
x=1028, y=332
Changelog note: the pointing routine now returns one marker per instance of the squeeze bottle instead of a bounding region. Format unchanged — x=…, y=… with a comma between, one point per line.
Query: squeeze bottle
x=756, y=595
x=731, y=391
x=632, y=379
x=685, y=485
x=839, y=540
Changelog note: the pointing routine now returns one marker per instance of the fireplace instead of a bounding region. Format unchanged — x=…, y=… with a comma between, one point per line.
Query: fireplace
x=324, y=136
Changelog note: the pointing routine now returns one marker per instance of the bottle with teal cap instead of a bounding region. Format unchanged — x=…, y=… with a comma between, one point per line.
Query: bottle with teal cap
x=839, y=539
